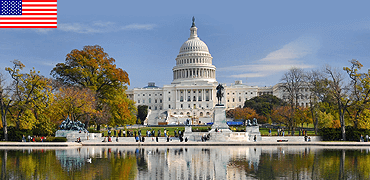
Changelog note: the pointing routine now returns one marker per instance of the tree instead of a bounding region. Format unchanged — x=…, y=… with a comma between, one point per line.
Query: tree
x=142, y=112
x=360, y=91
x=264, y=104
x=293, y=83
x=339, y=91
x=243, y=113
x=75, y=102
x=317, y=89
x=5, y=103
x=31, y=92
x=92, y=68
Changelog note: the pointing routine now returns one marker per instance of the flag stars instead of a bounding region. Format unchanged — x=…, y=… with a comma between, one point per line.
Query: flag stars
x=11, y=7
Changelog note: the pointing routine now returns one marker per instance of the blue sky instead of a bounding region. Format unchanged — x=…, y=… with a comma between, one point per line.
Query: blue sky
x=253, y=41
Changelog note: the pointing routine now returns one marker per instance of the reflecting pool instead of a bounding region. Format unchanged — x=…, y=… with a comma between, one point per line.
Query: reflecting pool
x=223, y=162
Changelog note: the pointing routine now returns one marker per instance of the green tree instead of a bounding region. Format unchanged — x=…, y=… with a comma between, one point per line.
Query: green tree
x=142, y=112
x=264, y=104
x=92, y=68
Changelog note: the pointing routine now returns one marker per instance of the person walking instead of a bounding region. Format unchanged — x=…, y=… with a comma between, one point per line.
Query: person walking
x=269, y=132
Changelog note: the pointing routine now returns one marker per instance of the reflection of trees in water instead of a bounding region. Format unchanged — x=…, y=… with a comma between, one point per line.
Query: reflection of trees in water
x=190, y=162
x=44, y=164
x=307, y=164
x=140, y=159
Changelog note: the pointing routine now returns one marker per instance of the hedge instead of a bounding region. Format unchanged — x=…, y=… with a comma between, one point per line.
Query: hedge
x=334, y=134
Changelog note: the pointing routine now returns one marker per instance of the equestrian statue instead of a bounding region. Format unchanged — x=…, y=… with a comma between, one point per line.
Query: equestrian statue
x=219, y=94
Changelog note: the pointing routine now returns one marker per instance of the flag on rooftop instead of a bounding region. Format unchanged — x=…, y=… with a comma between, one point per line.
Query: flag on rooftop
x=28, y=13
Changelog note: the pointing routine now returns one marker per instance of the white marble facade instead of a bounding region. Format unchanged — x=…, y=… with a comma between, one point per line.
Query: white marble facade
x=192, y=92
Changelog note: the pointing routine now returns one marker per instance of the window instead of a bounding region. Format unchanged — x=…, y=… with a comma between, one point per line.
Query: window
x=150, y=107
x=189, y=99
x=143, y=94
x=201, y=114
x=199, y=106
x=150, y=100
x=149, y=94
x=194, y=98
x=181, y=113
x=207, y=113
x=143, y=100
x=200, y=98
x=169, y=99
x=251, y=92
x=169, y=106
x=200, y=91
x=240, y=99
x=188, y=105
x=181, y=106
x=138, y=101
x=228, y=100
x=160, y=94
x=181, y=98
x=155, y=101
x=160, y=101
x=207, y=98
x=188, y=113
x=169, y=92
x=233, y=99
x=155, y=108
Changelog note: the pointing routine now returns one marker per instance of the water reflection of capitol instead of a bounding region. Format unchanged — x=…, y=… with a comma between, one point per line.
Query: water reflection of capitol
x=171, y=162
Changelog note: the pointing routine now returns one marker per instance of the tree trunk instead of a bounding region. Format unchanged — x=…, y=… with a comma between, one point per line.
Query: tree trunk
x=342, y=124
x=5, y=126
x=98, y=127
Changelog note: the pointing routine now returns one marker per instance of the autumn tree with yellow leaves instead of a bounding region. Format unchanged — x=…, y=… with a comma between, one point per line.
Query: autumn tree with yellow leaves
x=92, y=68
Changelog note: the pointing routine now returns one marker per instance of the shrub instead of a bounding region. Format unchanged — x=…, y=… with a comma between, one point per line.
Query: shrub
x=55, y=139
x=334, y=134
x=15, y=134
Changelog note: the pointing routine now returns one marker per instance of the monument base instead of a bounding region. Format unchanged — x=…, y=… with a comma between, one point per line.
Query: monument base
x=253, y=131
x=219, y=119
x=73, y=135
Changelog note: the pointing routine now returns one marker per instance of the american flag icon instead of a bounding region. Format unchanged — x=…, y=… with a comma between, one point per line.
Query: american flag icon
x=28, y=13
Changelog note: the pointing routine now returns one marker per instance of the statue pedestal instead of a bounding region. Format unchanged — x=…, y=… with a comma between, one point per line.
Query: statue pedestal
x=219, y=119
x=188, y=131
x=253, y=131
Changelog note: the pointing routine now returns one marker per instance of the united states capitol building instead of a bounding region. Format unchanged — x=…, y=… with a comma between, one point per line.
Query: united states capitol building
x=192, y=93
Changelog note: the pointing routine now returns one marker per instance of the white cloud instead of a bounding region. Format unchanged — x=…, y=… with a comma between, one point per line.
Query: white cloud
x=102, y=27
x=290, y=55
x=42, y=30
x=138, y=26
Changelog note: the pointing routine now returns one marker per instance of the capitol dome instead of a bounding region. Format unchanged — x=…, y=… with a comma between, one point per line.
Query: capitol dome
x=194, y=62
x=194, y=44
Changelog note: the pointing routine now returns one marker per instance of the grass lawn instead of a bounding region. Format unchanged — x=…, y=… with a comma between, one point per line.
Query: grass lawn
x=265, y=132
x=170, y=130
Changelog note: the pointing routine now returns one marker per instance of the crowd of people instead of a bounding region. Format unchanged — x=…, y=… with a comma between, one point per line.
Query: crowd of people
x=139, y=137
